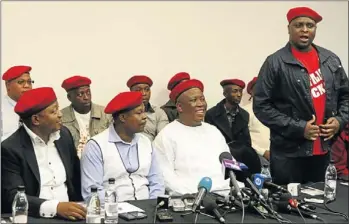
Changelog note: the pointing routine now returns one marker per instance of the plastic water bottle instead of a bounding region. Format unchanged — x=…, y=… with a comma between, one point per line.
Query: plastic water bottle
x=93, y=207
x=330, y=182
x=20, y=206
x=265, y=170
x=111, y=203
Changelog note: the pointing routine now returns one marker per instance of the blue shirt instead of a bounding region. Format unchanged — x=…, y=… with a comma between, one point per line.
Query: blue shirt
x=92, y=170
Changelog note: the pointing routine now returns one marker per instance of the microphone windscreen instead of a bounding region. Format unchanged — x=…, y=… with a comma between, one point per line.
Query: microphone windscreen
x=206, y=183
x=225, y=155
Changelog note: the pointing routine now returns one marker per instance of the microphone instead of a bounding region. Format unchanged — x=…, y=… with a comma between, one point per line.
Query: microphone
x=290, y=207
x=268, y=183
x=259, y=180
x=255, y=190
x=162, y=203
x=211, y=206
x=204, y=186
x=228, y=164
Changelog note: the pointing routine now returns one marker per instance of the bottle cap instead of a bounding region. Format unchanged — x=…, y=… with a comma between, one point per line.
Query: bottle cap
x=332, y=161
x=111, y=180
x=20, y=188
x=93, y=189
x=265, y=165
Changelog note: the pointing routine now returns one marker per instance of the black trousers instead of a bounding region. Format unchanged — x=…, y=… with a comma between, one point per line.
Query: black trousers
x=285, y=170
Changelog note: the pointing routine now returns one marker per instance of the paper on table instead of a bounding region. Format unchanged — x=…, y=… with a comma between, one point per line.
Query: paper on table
x=124, y=207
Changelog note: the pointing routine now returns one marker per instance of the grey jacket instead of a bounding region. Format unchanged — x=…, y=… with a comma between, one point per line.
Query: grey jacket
x=98, y=123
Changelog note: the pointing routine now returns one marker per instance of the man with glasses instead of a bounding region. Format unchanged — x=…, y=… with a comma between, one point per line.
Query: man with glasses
x=232, y=121
x=156, y=117
x=83, y=118
x=302, y=95
x=17, y=80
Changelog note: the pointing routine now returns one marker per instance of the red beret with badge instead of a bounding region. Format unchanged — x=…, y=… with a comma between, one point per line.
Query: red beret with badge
x=237, y=82
x=139, y=79
x=75, y=82
x=15, y=72
x=303, y=12
x=184, y=86
x=177, y=78
x=124, y=101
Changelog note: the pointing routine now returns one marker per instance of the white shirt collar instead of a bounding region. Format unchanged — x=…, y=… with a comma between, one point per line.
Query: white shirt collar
x=11, y=101
x=36, y=139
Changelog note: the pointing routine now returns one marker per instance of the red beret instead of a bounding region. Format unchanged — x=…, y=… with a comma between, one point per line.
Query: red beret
x=124, y=101
x=15, y=72
x=176, y=79
x=34, y=101
x=237, y=82
x=303, y=11
x=138, y=79
x=75, y=82
x=184, y=86
x=251, y=84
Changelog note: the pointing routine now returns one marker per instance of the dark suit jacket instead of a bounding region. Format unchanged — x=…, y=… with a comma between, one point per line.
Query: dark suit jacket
x=237, y=137
x=19, y=167
x=170, y=110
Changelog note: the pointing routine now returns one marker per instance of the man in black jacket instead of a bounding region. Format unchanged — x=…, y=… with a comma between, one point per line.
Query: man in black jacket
x=41, y=156
x=232, y=121
x=302, y=95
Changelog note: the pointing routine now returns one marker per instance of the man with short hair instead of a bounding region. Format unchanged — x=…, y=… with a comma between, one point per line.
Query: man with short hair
x=260, y=134
x=189, y=148
x=41, y=156
x=83, y=118
x=120, y=152
x=170, y=107
x=17, y=80
x=302, y=95
x=156, y=117
x=232, y=121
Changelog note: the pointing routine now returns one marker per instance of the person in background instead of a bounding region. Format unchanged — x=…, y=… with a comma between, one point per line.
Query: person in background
x=83, y=118
x=188, y=148
x=156, y=117
x=260, y=134
x=302, y=96
x=41, y=156
x=232, y=121
x=170, y=107
x=121, y=152
x=340, y=154
x=17, y=80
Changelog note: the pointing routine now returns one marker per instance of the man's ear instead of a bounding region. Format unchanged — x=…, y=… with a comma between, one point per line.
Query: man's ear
x=122, y=117
x=179, y=107
x=288, y=28
x=35, y=120
x=7, y=83
x=69, y=96
x=224, y=93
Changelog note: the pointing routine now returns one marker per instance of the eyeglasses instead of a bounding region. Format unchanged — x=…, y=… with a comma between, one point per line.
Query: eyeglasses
x=23, y=82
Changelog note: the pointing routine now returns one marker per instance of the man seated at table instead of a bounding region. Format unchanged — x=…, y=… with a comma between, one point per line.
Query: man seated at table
x=340, y=154
x=188, y=148
x=122, y=153
x=41, y=156
x=170, y=107
x=156, y=117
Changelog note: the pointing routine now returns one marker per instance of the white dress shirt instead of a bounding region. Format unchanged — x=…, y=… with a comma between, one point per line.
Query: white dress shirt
x=52, y=173
x=10, y=120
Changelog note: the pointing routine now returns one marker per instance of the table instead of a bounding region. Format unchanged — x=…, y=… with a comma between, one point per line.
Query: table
x=340, y=205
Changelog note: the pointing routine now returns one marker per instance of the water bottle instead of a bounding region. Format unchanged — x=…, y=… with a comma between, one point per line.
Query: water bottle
x=111, y=203
x=330, y=182
x=20, y=206
x=93, y=207
x=265, y=170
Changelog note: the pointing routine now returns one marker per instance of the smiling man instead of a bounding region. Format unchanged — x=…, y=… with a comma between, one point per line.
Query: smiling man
x=188, y=148
x=302, y=95
x=83, y=118
x=17, y=80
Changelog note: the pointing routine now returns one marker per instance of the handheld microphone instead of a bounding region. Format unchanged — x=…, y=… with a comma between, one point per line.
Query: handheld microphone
x=268, y=183
x=259, y=180
x=204, y=186
x=228, y=165
x=255, y=190
x=211, y=206
x=290, y=207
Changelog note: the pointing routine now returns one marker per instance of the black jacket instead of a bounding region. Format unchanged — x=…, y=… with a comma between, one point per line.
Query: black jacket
x=239, y=133
x=171, y=110
x=283, y=102
x=19, y=167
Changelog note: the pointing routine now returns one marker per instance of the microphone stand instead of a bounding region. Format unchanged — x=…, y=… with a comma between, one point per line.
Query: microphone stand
x=197, y=213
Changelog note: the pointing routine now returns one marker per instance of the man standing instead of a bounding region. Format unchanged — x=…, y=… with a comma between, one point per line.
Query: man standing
x=41, y=156
x=232, y=121
x=122, y=153
x=189, y=148
x=302, y=95
x=260, y=134
x=17, y=80
x=83, y=118
x=156, y=117
x=170, y=107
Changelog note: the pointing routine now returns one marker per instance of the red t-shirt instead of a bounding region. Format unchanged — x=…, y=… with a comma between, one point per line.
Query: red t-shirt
x=310, y=61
